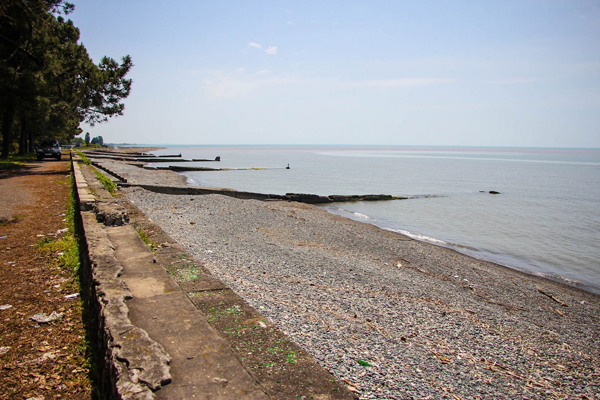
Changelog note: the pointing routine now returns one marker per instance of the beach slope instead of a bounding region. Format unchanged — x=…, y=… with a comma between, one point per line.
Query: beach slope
x=391, y=316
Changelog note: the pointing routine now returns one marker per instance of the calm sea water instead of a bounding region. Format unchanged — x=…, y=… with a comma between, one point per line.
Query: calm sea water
x=546, y=219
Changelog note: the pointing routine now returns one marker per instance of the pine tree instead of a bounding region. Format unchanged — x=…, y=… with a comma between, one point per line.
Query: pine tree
x=48, y=82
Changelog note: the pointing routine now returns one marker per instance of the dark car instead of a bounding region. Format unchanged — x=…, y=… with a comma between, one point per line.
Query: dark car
x=48, y=148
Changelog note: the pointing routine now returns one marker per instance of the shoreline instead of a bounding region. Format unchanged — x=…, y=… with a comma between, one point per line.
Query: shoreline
x=348, y=292
x=517, y=265
x=430, y=322
x=469, y=252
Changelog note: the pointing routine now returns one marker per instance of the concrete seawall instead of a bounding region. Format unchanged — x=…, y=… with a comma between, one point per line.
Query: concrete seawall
x=125, y=294
x=149, y=340
x=129, y=365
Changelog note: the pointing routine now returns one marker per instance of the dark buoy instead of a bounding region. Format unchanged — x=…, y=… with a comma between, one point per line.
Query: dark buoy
x=218, y=158
x=493, y=192
x=288, y=167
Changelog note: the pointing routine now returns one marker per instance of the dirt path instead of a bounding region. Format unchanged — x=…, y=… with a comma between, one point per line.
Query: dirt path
x=38, y=360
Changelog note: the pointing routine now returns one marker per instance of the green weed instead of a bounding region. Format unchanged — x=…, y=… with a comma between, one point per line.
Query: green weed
x=16, y=161
x=109, y=185
x=291, y=358
x=85, y=160
x=144, y=236
x=234, y=310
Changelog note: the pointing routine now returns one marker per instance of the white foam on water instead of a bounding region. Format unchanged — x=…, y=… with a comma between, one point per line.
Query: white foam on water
x=417, y=236
x=363, y=216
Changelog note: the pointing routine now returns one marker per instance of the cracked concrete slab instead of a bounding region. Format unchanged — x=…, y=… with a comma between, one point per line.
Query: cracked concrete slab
x=201, y=362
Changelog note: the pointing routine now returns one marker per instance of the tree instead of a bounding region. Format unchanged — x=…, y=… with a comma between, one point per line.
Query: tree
x=87, y=138
x=98, y=140
x=48, y=82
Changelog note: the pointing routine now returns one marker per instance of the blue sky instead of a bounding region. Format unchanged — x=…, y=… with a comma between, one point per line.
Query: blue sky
x=461, y=73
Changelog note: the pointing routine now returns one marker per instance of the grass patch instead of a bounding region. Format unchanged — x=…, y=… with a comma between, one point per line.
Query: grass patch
x=291, y=358
x=109, y=185
x=66, y=247
x=144, y=236
x=85, y=160
x=16, y=161
x=234, y=310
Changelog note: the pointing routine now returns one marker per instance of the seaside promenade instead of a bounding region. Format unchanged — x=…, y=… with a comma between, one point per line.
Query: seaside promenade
x=388, y=316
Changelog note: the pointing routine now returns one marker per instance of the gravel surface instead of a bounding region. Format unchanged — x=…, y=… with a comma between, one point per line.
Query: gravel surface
x=393, y=317
x=137, y=175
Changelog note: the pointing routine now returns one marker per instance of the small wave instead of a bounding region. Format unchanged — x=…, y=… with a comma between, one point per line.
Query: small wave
x=355, y=213
x=417, y=236
x=190, y=180
x=361, y=215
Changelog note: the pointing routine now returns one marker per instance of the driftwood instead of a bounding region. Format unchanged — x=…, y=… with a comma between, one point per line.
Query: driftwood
x=562, y=303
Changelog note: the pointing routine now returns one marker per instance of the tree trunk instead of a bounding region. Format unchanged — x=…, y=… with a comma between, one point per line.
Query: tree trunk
x=7, y=125
x=23, y=139
x=31, y=147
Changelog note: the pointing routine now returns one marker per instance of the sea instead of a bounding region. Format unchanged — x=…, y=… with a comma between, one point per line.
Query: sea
x=544, y=219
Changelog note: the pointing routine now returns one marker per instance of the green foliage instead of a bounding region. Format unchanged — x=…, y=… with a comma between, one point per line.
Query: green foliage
x=98, y=140
x=48, y=82
x=85, y=160
x=66, y=248
x=16, y=161
x=109, y=185
x=144, y=236
x=234, y=310
x=291, y=358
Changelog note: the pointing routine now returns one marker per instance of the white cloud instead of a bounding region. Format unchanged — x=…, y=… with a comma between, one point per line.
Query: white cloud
x=272, y=50
x=254, y=45
x=290, y=23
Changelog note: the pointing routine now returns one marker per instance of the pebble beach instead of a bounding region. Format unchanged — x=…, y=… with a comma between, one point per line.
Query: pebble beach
x=392, y=317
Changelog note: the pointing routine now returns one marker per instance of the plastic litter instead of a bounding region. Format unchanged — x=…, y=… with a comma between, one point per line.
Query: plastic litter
x=3, y=237
x=72, y=296
x=5, y=307
x=42, y=318
x=4, y=350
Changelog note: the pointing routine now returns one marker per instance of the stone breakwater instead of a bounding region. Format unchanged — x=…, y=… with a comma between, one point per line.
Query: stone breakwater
x=390, y=316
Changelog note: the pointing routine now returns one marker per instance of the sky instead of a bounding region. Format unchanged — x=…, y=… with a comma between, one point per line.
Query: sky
x=523, y=73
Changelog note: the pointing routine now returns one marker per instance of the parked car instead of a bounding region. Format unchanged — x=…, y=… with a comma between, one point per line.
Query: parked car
x=48, y=148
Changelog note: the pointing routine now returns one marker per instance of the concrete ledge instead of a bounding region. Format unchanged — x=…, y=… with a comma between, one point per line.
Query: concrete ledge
x=140, y=323
x=130, y=365
x=298, y=197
